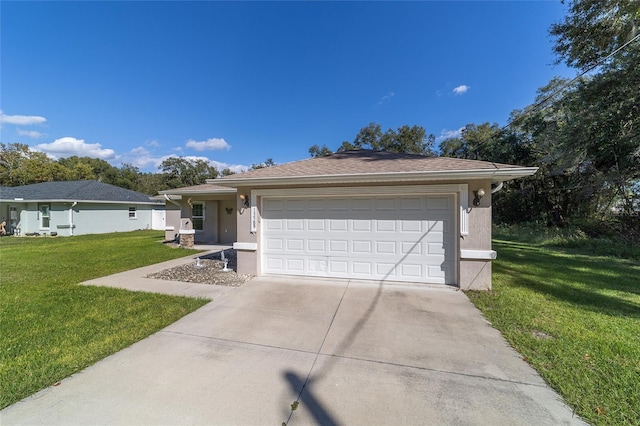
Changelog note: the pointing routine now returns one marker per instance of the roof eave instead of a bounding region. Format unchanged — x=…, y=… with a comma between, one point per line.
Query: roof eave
x=496, y=175
x=177, y=191
x=66, y=200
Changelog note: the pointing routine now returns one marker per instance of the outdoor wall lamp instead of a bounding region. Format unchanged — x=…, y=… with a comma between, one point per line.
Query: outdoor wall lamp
x=245, y=201
x=478, y=196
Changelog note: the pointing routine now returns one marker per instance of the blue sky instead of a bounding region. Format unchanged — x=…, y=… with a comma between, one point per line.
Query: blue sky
x=240, y=82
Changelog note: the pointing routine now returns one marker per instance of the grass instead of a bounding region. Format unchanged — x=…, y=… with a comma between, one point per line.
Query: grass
x=571, y=307
x=51, y=327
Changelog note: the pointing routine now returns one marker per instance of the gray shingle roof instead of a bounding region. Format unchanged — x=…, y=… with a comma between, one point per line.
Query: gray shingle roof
x=368, y=161
x=207, y=188
x=78, y=190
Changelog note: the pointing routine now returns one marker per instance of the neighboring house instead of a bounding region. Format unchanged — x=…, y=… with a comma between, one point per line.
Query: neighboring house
x=208, y=209
x=359, y=214
x=77, y=207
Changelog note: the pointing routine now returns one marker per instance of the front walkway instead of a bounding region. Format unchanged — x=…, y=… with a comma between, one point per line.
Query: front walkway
x=136, y=280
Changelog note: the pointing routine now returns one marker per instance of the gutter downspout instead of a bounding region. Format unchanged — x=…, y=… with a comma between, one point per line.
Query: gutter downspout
x=166, y=197
x=75, y=203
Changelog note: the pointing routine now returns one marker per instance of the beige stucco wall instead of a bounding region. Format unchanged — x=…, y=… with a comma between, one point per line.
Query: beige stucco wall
x=472, y=274
x=227, y=229
x=247, y=259
x=172, y=220
x=476, y=274
x=216, y=220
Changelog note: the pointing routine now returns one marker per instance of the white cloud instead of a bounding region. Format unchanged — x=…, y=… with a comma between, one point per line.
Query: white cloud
x=446, y=134
x=462, y=89
x=21, y=120
x=152, y=143
x=30, y=133
x=236, y=168
x=386, y=98
x=69, y=146
x=139, y=157
x=209, y=144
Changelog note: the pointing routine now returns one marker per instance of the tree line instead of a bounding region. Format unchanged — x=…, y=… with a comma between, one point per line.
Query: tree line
x=19, y=165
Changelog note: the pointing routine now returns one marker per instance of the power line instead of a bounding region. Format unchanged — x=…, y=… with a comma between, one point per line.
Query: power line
x=542, y=102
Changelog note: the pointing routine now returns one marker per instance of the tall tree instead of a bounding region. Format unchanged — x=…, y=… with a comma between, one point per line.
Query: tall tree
x=593, y=29
x=604, y=121
x=179, y=171
x=266, y=163
x=410, y=140
x=19, y=165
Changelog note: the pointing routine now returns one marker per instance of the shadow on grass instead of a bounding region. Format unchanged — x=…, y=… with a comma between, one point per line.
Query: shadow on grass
x=574, y=278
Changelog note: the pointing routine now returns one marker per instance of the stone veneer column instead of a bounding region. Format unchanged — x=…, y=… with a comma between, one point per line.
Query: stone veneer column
x=187, y=238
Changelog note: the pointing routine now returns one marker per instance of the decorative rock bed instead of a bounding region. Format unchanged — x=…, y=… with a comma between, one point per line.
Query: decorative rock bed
x=209, y=271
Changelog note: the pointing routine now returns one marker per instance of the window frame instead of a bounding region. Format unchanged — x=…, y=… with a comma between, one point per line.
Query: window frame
x=134, y=211
x=195, y=217
x=42, y=216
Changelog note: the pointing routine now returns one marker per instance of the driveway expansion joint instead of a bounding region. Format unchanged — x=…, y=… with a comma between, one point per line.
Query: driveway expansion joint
x=240, y=342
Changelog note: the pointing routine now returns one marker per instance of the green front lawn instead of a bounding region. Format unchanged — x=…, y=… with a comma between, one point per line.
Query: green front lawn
x=50, y=327
x=575, y=317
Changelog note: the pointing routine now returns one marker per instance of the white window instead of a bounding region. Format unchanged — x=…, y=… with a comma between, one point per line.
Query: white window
x=45, y=216
x=197, y=216
x=132, y=213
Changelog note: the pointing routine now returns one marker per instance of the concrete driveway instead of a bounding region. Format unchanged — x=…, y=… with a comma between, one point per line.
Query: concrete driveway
x=346, y=352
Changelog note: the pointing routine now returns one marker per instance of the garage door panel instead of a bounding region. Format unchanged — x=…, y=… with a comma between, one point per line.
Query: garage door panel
x=274, y=225
x=411, y=204
x=275, y=244
x=296, y=245
x=409, y=247
x=294, y=224
x=386, y=225
x=435, y=248
x=273, y=205
x=316, y=246
x=393, y=238
x=385, y=204
x=316, y=205
x=412, y=270
x=361, y=247
x=410, y=226
x=362, y=268
x=386, y=247
x=338, y=225
x=438, y=203
x=340, y=204
x=275, y=265
x=361, y=204
x=316, y=225
x=338, y=267
x=360, y=225
x=295, y=265
x=339, y=246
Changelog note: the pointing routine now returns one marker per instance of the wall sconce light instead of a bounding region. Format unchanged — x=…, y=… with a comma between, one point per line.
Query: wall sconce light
x=478, y=196
x=245, y=201
x=229, y=210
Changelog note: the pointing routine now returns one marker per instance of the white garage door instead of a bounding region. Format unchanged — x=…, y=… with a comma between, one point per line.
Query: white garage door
x=408, y=238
